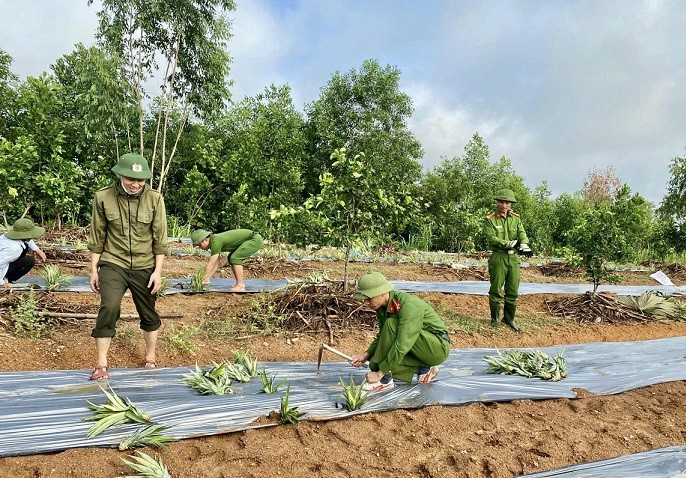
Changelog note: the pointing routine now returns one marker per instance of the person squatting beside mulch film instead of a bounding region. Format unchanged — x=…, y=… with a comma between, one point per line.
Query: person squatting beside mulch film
x=412, y=338
x=15, y=244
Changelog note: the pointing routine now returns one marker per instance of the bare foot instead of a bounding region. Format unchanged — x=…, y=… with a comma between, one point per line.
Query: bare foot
x=237, y=288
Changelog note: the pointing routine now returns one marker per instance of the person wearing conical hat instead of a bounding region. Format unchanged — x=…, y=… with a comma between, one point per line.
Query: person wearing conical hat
x=128, y=242
x=15, y=244
x=412, y=339
x=240, y=245
x=507, y=239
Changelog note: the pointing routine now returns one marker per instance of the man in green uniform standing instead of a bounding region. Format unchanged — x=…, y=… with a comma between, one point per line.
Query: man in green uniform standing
x=128, y=242
x=239, y=243
x=507, y=239
x=412, y=339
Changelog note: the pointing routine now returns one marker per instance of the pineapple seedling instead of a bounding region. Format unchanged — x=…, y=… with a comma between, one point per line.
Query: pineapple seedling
x=268, y=385
x=117, y=411
x=528, y=363
x=148, y=436
x=164, y=286
x=287, y=413
x=353, y=395
x=197, y=281
x=214, y=381
x=146, y=466
x=237, y=372
x=248, y=363
x=54, y=276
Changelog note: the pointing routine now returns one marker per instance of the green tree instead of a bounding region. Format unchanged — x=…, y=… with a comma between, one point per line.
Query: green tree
x=8, y=87
x=98, y=108
x=599, y=239
x=459, y=193
x=674, y=202
x=191, y=37
x=364, y=111
x=541, y=220
x=264, y=155
x=58, y=181
x=635, y=219
x=17, y=191
x=349, y=207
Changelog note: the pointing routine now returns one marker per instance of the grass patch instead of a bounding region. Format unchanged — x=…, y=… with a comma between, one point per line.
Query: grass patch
x=461, y=324
x=27, y=321
x=180, y=339
x=218, y=328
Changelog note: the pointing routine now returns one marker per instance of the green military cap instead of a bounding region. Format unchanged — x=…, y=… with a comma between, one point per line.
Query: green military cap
x=372, y=285
x=24, y=229
x=132, y=166
x=198, y=235
x=505, y=195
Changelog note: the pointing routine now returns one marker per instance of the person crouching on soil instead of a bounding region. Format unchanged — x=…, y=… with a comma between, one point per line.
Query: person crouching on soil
x=412, y=339
x=239, y=243
x=14, y=246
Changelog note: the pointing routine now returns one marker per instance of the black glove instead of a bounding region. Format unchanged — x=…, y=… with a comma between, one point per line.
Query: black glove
x=525, y=250
x=510, y=244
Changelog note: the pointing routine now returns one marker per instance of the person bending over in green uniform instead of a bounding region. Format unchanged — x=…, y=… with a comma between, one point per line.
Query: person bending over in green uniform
x=239, y=243
x=128, y=242
x=507, y=239
x=412, y=338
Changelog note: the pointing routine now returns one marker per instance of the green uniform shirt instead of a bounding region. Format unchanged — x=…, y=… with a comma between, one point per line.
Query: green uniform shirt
x=500, y=230
x=414, y=315
x=128, y=231
x=229, y=241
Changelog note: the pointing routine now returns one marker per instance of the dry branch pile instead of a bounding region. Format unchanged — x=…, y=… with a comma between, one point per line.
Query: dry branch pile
x=312, y=307
x=71, y=257
x=259, y=267
x=46, y=302
x=595, y=308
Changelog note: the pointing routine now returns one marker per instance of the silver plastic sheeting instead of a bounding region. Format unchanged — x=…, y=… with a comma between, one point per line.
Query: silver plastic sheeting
x=44, y=411
x=663, y=463
x=526, y=288
x=176, y=286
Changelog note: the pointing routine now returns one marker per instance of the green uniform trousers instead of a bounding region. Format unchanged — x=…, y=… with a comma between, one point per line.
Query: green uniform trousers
x=503, y=269
x=427, y=351
x=114, y=280
x=245, y=250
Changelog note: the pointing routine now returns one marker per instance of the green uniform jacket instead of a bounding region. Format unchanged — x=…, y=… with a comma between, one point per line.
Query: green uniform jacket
x=229, y=241
x=128, y=231
x=500, y=229
x=414, y=315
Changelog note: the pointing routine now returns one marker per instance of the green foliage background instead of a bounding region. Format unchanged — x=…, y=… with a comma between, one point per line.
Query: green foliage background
x=343, y=170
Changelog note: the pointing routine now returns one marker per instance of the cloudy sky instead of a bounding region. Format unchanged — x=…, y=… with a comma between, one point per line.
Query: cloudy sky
x=558, y=87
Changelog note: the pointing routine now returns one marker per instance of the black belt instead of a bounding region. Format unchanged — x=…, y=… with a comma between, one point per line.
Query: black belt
x=442, y=334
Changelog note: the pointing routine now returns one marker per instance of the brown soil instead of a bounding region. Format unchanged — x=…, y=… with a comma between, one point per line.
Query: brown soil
x=477, y=440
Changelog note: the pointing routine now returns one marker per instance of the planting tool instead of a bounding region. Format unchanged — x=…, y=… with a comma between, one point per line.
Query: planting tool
x=332, y=350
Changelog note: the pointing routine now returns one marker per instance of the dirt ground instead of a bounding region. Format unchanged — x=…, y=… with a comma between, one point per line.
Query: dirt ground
x=479, y=440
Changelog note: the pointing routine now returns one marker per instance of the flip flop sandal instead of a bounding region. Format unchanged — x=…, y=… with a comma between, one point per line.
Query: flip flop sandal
x=150, y=364
x=100, y=373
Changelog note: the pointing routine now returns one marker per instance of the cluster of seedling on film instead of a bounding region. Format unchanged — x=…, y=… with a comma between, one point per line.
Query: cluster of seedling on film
x=54, y=276
x=118, y=411
x=528, y=363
